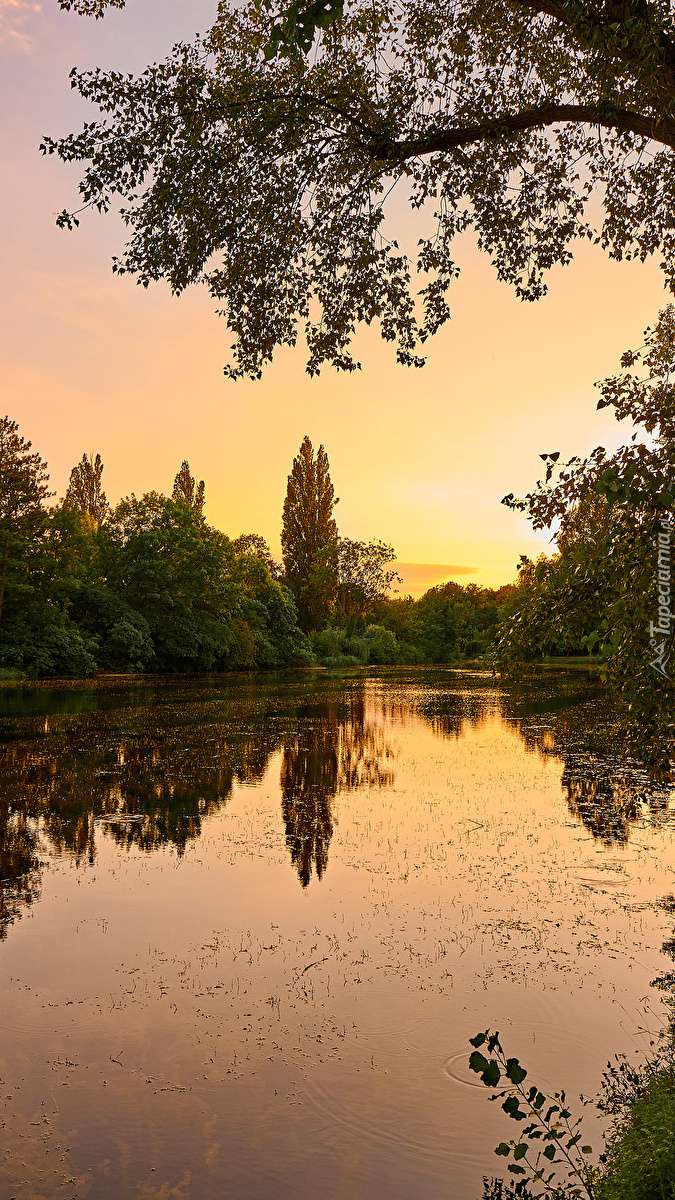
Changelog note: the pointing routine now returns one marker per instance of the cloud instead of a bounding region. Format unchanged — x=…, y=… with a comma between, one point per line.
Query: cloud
x=14, y=14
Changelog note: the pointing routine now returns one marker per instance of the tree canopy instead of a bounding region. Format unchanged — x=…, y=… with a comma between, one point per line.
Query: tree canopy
x=264, y=176
x=23, y=489
x=364, y=576
x=608, y=588
x=187, y=490
x=85, y=493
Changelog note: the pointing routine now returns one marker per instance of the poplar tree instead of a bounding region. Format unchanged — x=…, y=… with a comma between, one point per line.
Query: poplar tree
x=309, y=537
x=85, y=493
x=187, y=490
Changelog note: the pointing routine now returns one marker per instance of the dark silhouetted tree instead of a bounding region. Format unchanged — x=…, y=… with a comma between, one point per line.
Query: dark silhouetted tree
x=85, y=494
x=187, y=490
x=309, y=538
x=364, y=576
x=536, y=123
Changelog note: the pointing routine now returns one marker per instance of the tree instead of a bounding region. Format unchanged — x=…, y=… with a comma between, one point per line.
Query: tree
x=85, y=494
x=265, y=176
x=309, y=538
x=254, y=545
x=614, y=573
x=363, y=578
x=23, y=489
x=187, y=490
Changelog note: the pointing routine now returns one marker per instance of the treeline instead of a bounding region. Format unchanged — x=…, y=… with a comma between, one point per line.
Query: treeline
x=149, y=585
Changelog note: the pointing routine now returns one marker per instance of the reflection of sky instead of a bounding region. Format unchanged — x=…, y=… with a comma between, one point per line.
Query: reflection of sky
x=420, y=459
x=276, y=1035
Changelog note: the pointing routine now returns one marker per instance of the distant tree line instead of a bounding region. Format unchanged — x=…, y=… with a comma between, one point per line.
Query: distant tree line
x=149, y=585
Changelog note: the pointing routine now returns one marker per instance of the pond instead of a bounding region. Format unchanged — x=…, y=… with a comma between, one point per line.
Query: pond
x=249, y=923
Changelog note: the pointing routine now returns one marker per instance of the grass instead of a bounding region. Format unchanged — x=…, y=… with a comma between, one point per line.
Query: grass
x=641, y=1153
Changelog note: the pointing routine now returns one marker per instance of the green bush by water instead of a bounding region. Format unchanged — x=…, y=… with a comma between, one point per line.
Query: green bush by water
x=641, y=1153
x=548, y=1158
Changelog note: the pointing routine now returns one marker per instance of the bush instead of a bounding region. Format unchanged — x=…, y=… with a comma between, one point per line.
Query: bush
x=45, y=643
x=641, y=1153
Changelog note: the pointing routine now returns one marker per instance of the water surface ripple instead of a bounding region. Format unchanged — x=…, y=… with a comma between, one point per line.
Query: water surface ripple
x=248, y=924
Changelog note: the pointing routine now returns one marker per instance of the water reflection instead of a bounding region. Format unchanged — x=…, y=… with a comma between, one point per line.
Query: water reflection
x=19, y=865
x=148, y=774
x=606, y=788
x=145, y=766
x=338, y=749
x=568, y=718
x=665, y=982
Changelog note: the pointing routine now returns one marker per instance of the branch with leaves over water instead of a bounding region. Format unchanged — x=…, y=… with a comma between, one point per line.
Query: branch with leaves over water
x=550, y=1139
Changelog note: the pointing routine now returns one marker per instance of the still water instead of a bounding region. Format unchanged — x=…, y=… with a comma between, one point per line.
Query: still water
x=248, y=926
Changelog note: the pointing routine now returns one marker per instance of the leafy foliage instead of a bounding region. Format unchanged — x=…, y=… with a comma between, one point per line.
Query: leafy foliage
x=309, y=537
x=85, y=493
x=263, y=172
x=23, y=489
x=151, y=585
x=551, y=1138
x=363, y=577
x=639, y=1158
x=603, y=589
x=187, y=490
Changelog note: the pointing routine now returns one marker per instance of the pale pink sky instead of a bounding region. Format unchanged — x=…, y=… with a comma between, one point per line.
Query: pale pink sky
x=419, y=458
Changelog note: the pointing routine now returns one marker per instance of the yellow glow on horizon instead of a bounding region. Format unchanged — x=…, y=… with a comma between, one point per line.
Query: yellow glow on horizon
x=420, y=459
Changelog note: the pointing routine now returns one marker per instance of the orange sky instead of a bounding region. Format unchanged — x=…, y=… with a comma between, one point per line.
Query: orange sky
x=420, y=459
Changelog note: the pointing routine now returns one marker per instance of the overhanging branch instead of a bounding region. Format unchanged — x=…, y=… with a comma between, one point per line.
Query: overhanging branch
x=514, y=123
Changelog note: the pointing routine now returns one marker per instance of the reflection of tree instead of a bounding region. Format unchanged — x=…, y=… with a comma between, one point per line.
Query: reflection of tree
x=449, y=713
x=568, y=717
x=608, y=806
x=666, y=981
x=67, y=782
x=603, y=781
x=146, y=766
x=19, y=873
x=308, y=783
x=605, y=787
x=337, y=748
x=603, y=805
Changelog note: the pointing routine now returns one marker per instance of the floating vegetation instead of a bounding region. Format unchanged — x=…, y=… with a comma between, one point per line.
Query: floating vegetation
x=261, y=916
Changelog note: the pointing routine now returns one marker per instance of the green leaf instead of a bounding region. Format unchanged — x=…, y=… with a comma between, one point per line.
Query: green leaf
x=520, y=1150
x=478, y=1062
x=503, y=1148
x=511, y=1107
x=549, y=1153
x=586, y=1149
x=492, y=1076
x=515, y=1170
x=478, y=1039
x=514, y=1071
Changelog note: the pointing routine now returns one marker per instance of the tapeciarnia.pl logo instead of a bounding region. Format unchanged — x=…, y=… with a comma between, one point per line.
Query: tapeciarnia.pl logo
x=660, y=630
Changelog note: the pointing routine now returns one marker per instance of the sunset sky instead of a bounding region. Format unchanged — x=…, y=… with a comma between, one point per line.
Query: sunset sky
x=420, y=459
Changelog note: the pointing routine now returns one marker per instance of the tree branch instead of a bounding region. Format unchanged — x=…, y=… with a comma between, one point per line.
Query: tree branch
x=639, y=25
x=547, y=114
